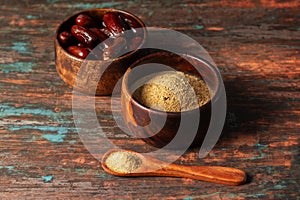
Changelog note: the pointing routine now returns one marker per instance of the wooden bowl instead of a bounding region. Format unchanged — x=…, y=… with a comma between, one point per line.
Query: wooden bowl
x=68, y=66
x=192, y=124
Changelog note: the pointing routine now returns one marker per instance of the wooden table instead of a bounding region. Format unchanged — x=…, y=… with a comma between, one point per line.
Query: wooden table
x=255, y=44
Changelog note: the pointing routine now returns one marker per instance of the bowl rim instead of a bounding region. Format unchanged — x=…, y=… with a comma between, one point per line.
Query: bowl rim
x=214, y=98
x=57, y=43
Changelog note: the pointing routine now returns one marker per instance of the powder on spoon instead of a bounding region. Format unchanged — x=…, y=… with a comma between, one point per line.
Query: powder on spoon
x=173, y=91
x=123, y=162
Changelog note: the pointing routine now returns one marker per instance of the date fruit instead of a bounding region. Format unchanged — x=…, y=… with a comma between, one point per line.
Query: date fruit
x=107, y=32
x=131, y=22
x=80, y=52
x=101, y=38
x=134, y=25
x=100, y=34
x=115, y=48
x=85, y=21
x=84, y=36
x=114, y=23
x=66, y=38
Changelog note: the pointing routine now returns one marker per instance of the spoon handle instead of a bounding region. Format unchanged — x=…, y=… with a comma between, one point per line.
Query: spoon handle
x=216, y=174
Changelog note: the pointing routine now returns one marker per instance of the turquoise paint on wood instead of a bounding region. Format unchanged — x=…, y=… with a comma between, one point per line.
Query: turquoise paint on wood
x=279, y=187
x=260, y=146
x=101, y=174
x=7, y=110
x=198, y=27
x=268, y=169
x=94, y=5
x=9, y=168
x=58, y=136
x=58, y=129
x=47, y=178
x=31, y=17
x=52, y=1
x=52, y=133
x=21, y=47
x=257, y=196
x=150, y=13
x=80, y=170
x=260, y=156
x=17, y=67
x=72, y=141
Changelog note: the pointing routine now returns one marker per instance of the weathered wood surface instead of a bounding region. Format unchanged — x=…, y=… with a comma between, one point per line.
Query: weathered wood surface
x=256, y=45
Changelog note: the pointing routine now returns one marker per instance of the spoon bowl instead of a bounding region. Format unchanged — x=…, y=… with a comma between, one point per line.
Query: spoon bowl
x=114, y=162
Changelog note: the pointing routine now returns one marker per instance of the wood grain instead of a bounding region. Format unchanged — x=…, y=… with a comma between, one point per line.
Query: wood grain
x=256, y=46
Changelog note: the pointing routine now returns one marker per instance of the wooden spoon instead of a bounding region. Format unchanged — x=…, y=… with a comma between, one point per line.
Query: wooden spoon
x=130, y=163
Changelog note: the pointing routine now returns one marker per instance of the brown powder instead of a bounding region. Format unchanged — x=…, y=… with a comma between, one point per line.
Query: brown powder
x=173, y=91
x=123, y=162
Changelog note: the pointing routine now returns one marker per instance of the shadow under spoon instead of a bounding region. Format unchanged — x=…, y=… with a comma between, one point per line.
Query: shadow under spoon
x=130, y=163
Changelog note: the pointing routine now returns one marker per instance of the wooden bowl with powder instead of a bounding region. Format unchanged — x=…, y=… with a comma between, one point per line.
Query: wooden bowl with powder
x=166, y=99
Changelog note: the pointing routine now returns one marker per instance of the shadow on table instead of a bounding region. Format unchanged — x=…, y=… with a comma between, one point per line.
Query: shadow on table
x=250, y=106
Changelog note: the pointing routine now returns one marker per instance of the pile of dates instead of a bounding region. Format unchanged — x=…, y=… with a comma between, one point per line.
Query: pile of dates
x=101, y=39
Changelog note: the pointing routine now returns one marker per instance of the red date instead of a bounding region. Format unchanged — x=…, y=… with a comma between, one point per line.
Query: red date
x=131, y=22
x=102, y=37
x=80, y=52
x=115, y=32
x=115, y=49
x=84, y=36
x=134, y=25
x=100, y=34
x=106, y=31
x=85, y=21
x=114, y=23
x=65, y=38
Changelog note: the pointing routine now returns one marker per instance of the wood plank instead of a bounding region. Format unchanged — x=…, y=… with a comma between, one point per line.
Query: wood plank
x=256, y=46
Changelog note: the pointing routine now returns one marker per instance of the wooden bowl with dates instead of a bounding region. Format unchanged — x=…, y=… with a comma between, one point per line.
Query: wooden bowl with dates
x=94, y=48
